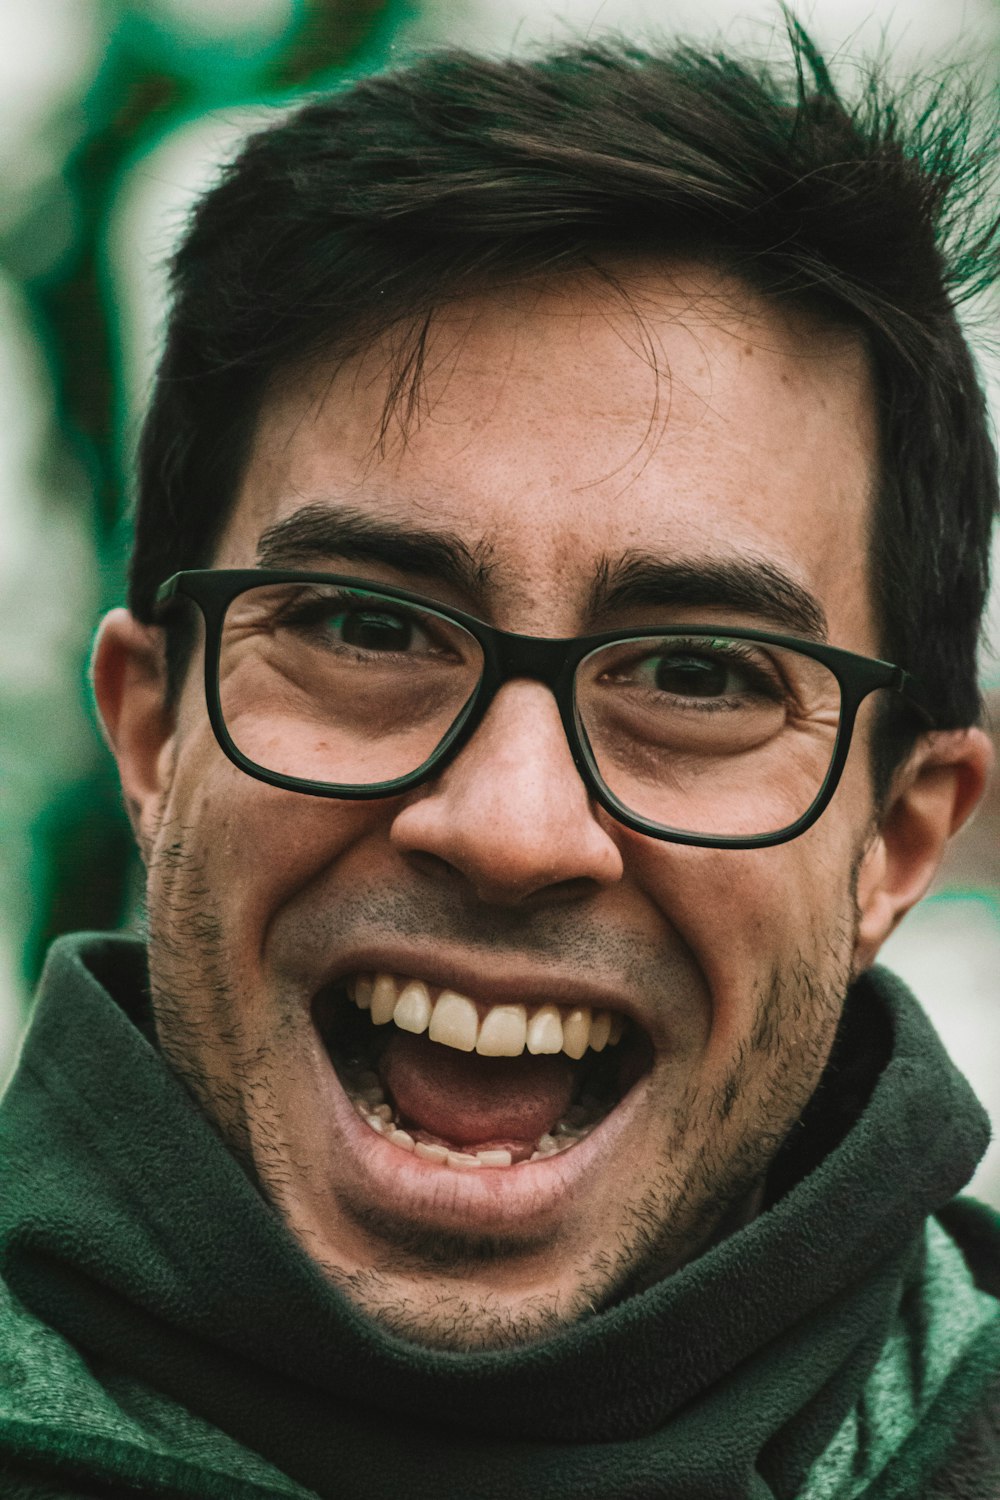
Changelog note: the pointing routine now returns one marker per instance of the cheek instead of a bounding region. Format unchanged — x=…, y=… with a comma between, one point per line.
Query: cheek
x=252, y=847
x=742, y=916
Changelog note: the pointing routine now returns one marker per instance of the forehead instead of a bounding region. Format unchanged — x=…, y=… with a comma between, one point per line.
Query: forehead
x=564, y=424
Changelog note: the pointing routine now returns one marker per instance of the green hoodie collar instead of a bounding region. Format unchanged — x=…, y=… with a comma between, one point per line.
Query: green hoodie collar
x=126, y=1225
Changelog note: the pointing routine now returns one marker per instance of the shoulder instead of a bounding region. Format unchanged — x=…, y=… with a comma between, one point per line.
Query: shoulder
x=20, y=1483
x=924, y=1426
x=970, y=1469
x=66, y=1433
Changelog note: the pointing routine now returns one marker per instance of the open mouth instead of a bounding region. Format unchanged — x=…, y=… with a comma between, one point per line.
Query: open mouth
x=467, y=1085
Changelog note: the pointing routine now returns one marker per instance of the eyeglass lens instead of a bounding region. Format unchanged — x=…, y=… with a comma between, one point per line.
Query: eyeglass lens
x=711, y=735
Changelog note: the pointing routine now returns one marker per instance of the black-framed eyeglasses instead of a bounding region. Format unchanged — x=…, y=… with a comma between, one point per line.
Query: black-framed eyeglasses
x=698, y=734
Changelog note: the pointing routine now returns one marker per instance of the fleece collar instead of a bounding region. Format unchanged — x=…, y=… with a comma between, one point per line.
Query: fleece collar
x=127, y=1226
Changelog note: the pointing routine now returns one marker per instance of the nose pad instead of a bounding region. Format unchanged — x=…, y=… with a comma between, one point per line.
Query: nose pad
x=510, y=814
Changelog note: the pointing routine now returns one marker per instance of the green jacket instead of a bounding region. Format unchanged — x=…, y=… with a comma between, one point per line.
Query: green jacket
x=162, y=1334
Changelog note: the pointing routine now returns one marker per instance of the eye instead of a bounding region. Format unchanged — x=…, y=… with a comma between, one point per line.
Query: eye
x=369, y=627
x=726, y=674
x=693, y=676
x=374, y=629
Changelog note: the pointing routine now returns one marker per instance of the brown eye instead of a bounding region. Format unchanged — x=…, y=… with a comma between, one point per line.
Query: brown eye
x=373, y=630
x=693, y=676
x=726, y=676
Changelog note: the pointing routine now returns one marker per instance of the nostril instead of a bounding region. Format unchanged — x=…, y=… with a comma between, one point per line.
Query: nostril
x=511, y=813
x=487, y=890
x=434, y=866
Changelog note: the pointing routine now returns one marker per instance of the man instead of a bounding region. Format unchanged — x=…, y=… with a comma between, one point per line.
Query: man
x=548, y=677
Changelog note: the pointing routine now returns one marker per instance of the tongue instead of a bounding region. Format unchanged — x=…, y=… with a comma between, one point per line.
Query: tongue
x=467, y=1099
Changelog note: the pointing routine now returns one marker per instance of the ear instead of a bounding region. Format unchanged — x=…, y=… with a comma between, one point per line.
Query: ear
x=128, y=671
x=933, y=794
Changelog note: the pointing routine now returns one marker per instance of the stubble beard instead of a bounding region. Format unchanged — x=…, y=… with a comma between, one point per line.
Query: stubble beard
x=706, y=1182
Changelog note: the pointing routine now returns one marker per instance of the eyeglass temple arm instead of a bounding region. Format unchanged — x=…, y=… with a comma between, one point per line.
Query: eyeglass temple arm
x=915, y=695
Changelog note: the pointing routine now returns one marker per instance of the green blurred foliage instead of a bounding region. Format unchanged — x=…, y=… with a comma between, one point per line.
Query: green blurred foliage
x=153, y=74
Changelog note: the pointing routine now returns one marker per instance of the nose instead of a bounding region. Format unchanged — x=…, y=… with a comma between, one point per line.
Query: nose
x=511, y=815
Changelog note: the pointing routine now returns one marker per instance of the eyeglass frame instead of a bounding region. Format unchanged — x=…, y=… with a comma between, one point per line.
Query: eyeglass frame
x=551, y=660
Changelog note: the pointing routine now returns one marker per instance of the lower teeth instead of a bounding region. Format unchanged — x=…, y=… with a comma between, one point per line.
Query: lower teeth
x=368, y=1097
x=356, y=1063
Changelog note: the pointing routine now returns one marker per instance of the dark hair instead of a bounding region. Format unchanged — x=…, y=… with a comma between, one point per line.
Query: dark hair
x=362, y=212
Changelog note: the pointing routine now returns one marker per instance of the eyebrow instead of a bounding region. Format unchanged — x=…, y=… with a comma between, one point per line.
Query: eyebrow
x=320, y=532
x=751, y=585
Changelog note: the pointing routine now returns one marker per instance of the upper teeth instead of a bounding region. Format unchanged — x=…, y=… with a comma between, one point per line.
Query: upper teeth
x=492, y=1031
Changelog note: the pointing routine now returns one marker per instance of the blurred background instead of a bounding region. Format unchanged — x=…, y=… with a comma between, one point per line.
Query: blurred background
x=114, y=115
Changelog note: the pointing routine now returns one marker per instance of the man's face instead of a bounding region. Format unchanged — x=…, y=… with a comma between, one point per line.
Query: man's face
x=549, y=449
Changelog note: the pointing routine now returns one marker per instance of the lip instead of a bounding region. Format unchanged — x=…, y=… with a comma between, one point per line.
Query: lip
x=489, y=1200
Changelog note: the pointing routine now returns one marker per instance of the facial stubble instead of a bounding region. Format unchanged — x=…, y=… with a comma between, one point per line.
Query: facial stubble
x=713, y=1143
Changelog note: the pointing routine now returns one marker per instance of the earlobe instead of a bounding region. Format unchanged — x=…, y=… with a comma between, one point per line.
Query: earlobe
x=933, y=795
x=128, y=672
